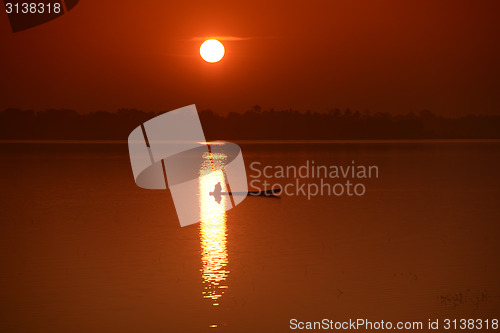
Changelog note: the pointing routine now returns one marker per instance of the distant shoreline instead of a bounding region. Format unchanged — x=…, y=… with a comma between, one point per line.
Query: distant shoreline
x=243, y=142
x=270, y=125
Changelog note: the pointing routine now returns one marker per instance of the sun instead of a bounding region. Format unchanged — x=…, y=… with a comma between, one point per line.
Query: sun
x=212, y=50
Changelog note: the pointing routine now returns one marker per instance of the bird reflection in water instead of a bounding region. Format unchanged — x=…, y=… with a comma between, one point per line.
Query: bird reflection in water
x=213, y=232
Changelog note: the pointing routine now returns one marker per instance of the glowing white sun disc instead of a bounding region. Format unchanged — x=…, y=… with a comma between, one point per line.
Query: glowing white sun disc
x=212, y=50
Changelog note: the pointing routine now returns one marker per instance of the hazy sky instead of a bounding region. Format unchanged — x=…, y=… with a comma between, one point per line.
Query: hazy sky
x=395, y=56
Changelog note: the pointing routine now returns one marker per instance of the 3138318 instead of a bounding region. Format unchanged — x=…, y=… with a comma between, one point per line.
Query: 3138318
x=32, y=8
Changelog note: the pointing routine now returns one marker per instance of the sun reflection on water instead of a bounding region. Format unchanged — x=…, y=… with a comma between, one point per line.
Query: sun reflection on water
x=213, y=232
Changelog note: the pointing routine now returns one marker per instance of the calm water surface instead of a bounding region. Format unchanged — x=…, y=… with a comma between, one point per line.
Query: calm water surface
x=83, y=249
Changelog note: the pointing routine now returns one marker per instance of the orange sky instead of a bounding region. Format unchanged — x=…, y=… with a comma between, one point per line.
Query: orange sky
x=395, y=56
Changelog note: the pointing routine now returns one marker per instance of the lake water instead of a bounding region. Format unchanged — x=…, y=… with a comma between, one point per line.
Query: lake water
x=83, y=249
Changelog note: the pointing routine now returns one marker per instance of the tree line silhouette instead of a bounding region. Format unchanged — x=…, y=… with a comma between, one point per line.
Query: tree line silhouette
x=254, y=124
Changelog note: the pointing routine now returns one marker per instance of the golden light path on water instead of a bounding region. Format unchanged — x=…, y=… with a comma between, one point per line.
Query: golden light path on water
x=213, y=232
